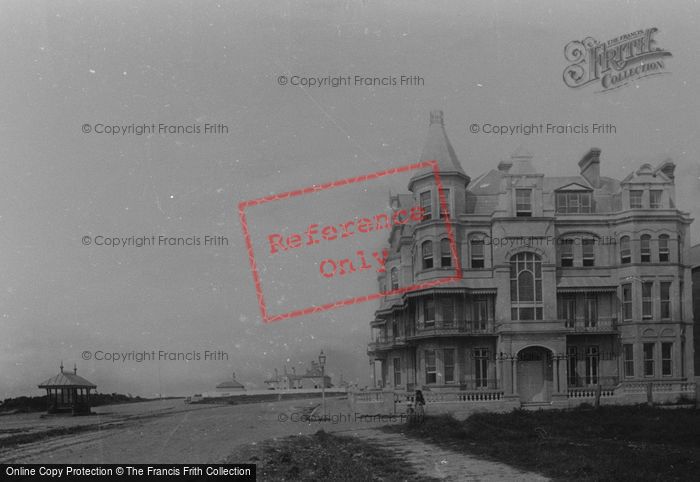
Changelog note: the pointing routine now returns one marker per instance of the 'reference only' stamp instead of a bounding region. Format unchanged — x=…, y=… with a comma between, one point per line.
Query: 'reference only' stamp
x=319, y=236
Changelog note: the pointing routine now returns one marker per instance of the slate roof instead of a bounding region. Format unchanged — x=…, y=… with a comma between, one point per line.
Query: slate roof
x=68, y=380
x=438, y=148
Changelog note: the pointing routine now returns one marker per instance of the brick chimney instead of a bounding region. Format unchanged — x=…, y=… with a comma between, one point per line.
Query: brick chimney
x=590, y=167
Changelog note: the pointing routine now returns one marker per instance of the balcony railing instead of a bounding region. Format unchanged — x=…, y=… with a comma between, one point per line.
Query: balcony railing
x=443, y=328
x=580, y=325
x=589, y=382
x=590, y=387
x=386, y=343
x=465, y=393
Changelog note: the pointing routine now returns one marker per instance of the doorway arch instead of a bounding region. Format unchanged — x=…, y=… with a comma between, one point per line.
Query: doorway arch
x=535, y=374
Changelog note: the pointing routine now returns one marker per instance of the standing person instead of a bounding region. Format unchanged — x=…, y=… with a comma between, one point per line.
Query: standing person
x=420, y=405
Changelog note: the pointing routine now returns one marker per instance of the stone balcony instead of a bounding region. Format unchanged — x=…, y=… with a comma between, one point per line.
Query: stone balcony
x=598, y=325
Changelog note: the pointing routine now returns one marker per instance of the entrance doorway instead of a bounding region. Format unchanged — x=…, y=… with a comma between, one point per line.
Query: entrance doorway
x=535, y=375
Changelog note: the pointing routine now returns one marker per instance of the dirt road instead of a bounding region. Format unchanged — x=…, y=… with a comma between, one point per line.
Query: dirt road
x=170, y=431
x=167, y=431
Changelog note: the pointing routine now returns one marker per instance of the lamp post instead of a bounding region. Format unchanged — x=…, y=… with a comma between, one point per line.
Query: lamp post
x=322, y=362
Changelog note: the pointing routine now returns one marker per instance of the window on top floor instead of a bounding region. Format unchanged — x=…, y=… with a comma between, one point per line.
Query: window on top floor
x=663, y=248
x=445, y=253
x=635, y=199
x=426, y=203
x=523, y=202
x=578, y=202
x=625, y=252
x=655, y=198
x=427, y=251
x=645, y=248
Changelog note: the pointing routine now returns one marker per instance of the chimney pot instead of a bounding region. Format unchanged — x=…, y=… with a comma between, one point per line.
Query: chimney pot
x=436, y=117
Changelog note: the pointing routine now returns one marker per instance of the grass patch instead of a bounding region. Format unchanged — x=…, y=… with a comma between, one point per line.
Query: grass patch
x=324, y=457
x=610, y=443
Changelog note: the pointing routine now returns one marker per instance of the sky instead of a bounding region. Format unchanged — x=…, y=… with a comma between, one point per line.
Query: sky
x=67, y=64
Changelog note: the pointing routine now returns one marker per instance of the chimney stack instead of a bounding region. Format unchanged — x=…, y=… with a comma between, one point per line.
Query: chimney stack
x=505, y=165
x=590, y=167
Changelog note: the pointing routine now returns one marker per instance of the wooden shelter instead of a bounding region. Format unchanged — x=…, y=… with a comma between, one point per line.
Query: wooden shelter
x=68, y=393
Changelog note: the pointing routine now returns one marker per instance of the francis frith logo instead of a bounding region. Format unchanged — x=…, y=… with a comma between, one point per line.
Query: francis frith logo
x=614, y=63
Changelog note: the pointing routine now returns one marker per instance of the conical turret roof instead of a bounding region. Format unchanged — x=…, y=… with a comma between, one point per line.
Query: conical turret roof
x=438, y=148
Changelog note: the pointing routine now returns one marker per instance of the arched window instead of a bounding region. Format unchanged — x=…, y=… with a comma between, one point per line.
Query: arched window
x=645, y=248
x=526, y=286
x=625, y=253
x=427, y=250
x=663, y=248
x=394, y=278
x=445, y=253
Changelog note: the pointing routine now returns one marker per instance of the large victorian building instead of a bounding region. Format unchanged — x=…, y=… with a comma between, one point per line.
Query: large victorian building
x=572, y=287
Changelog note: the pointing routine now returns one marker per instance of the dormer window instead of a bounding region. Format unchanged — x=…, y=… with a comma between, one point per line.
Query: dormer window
x=523, y=202
x=635, y=199
x=578, y=202
x=655, y=199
